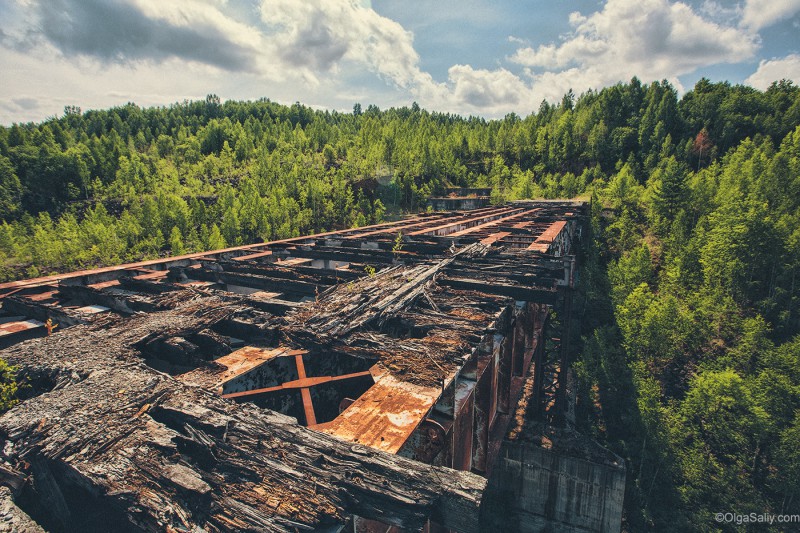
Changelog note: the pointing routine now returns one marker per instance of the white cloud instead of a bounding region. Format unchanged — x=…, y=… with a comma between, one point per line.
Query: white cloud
x=758, y=14
x=720, y=13
x=490, y=91
x=311, y=50
x=775, y=70
x=317, y=35
x=47, y=83
x=133, y=31
x=652, y=39
x=302, y=50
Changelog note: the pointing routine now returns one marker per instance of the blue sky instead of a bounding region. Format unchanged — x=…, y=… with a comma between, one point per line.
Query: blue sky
x=467, y=57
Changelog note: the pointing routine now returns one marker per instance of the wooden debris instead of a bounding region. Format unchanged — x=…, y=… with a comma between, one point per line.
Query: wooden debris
x=194, y=459
x=107, y=437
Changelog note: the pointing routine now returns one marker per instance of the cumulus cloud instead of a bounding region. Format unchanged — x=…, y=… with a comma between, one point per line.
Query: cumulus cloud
x=758, y=14
x=787, y=68
x=307, y=39
x=144, y=30
x=317, y=35
x=487, y=89
x=26, y=102
x=311, y=49
x=721, y=13
x=652, y=39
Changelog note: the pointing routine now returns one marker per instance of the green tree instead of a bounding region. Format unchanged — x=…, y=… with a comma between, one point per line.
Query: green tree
x=10, y=190
x=631, y=270
x=670, y=193
x=176, y=243
x=720, y=434
x=215, y=239
x=8, y=386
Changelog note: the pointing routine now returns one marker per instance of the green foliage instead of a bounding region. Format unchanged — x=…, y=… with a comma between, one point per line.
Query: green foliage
x=702, y=270
x=8, y=386
x=176, y=244
x=260, y=170
x=670, y=193
x=720, y=434
x=397, y=246
x=691, y=353
x=10, y=189
x=631, y=270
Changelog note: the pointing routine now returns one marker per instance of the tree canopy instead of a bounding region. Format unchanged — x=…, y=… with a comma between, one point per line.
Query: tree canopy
x=690, y=356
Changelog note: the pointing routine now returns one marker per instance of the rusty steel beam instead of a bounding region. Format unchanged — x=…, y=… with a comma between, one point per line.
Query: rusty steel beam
x=347, y=255
x=543, y=241
x=528, y=294
x=250, y=257
x=302, y=383
x=494, y=215
x=8, y=288
x=524, y=224
x=308, y=405
x=492, y=223
x=427, y=222
x=495, y=237
x=400, y=227
x=463, y=425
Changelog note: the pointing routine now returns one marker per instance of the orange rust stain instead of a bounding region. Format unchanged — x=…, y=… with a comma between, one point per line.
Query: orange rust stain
x=525, y=223
x=542, y=243
x=294, y=261
x=494, y=237
x=22, y=325
x=539, y=247
x=493, y=223
x=253, y=256
x=151, y=274
x=385, y=416
x=462, y=222
x=42, y=296
x=104, y=284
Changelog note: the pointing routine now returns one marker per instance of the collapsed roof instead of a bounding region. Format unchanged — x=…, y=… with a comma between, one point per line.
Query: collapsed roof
x=296, y=384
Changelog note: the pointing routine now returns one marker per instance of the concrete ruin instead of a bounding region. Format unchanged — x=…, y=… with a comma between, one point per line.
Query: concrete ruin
x=461, y=199
x=402, y=376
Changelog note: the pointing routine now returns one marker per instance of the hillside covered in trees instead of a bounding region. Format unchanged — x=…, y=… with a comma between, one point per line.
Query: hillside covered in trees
x=690, y=363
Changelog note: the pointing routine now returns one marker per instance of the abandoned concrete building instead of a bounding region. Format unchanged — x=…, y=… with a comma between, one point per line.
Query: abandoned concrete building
x=461, y=198
x=407, y=376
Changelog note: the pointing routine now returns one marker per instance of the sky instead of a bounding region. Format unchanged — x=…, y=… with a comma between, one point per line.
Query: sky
x=469, y=57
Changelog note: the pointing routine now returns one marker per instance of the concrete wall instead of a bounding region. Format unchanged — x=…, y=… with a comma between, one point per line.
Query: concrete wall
x=534, y=489
x=457, y=204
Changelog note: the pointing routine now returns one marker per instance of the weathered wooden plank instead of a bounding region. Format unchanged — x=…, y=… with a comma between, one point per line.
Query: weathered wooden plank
x=528, y=294
x=165, y=454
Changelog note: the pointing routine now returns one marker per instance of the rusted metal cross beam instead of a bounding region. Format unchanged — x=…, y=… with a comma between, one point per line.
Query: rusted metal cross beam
x=428, y=222
x=445, y=229
x=303, y=383
x=493, y=223
x=308, y=405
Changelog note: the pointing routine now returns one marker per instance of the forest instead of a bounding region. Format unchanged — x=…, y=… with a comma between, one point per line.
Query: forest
x=689, y=364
